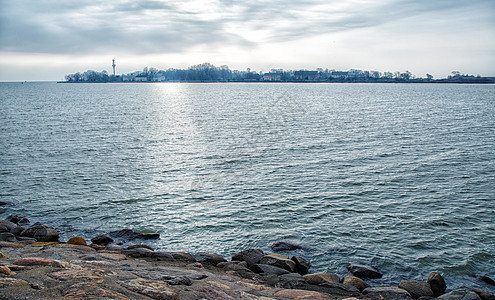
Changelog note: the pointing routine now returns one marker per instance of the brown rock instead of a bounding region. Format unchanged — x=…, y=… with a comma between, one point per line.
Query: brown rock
x=211, y=293
x=7, y=282
x=77, y=247
x=300, y=294
x=151, y=288
x=113, y=256
x=12, y=245
x=319, y=278
x=38, y=261
x=183, y=256
x=77, y=240
x=355, y=281
x=5, y=270
x=437, y=283
x=416, y=288
x=387, y=293
x=219, y=285
x=80, y=275
x=86, y=290
x=258, y=287
x=278, y=260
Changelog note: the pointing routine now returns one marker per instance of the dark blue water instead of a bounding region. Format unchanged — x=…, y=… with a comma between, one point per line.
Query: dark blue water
x=399, y=176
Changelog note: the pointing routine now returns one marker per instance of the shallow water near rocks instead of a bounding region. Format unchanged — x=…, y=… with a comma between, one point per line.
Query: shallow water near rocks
x=398, y=176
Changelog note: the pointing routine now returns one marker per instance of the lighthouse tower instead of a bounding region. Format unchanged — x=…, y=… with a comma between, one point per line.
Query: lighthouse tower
x=113, y=66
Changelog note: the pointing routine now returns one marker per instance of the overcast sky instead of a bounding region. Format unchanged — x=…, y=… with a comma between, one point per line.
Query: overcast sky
x=45, y=40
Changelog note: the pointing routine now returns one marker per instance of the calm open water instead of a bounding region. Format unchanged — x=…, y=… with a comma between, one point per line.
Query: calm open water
x=399, y=176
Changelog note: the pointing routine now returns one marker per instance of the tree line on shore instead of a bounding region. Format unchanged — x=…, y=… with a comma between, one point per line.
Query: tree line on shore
x=207, y=72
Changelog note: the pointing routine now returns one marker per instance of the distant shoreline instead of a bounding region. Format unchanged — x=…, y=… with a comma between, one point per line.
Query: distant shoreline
x=485, y=80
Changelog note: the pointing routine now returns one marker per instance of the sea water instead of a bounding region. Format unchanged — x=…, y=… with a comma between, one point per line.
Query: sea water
x=398, y=176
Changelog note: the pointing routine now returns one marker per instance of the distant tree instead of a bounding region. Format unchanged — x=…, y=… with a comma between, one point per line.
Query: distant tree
x=429, y=77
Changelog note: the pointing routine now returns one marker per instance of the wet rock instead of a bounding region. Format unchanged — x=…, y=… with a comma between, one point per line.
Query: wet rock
x=460, y=294
x=250, y=256
x=300, y=294
x=210, y=258
x=38, y=261
x=387, y=293
x=18, y=230
x=485, y=279
x=7, y=226
x=319, y=278
x=484, y=295
x=77, y=240
x=151, y=288
x=416, y=288
x=140, y=246
x=18, y=219
x=212, y=293
x=129, y=235
x=286, y=245
x=355, y=281
x=278, y=260
x=41, y=233
x=7, y=237
x=102, y=239
x=290, y=280
x=364, y=271
x=268, y=269
x=88, y=290
x=3, y=203
x=437, y=283
x=302, y=265
x=183, y=256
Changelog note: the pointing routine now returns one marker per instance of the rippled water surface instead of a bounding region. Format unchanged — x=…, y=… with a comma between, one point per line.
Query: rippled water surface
x=399, y=176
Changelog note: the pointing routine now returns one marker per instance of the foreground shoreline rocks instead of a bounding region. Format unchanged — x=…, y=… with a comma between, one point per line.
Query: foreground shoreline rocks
x=34, y=264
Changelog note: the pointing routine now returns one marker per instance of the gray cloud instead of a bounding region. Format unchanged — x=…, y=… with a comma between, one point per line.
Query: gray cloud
x=92, y=27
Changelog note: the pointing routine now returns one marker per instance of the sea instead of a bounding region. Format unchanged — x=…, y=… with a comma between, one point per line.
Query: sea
x=397, y=176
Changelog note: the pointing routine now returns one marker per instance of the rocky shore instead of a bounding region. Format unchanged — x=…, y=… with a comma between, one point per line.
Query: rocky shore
x=34, y=264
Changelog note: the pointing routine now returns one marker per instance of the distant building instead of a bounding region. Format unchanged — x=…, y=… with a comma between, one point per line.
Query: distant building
x=140, y=79
x=272, y=77
x=306, y=75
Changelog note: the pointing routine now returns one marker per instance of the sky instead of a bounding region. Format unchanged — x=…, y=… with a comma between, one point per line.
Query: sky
x=45, y=40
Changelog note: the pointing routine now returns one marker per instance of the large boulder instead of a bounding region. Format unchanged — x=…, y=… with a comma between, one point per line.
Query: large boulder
x=102, y=239
x=129, y=235
x=437, y=283
x=268, y=269
x=355, y=281
x=7, y=226
x=460, y=294
x=289, y=281
x=210, y=258
x=386, y=293
x=41, y=233
x=250, y=256
x=416, y=288
x=279, y=260
x=302, y=265
x=319, y=278
x=364, y=271
x=484, y=295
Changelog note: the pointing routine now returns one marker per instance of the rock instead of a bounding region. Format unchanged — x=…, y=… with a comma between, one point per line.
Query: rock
x=7, y=237
x=102, y=239
x=364, y=271
x=78, y=274
x=140, y=246
x=183, y=256
x=219, y=285
x=302, y=265
x=268, y=269
x=18, y=230
x=139, y=252
x=5, y=270
x=18, y=219
x=152, y=288
x=278, y=260
x=3, y=203
x=257, y=287
x=484, y=295
x=285, y=245
x=38, y=261
x=77, y=240
x=319, y=278
x=129, y=235
x=88, y=290
x=240, y=270
x=485, y=279
x=12, y=244
x=355, y=281
x=41, y=233
x=290, y=280
x=210, y=258
x=460, y=294
x=8, y=282
x=387, y=293
x=212, y=293
x=437, y=283
x=250, y=256
x=300, y=294
x=77, y=247
x=7, y=226
x=416, y=288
